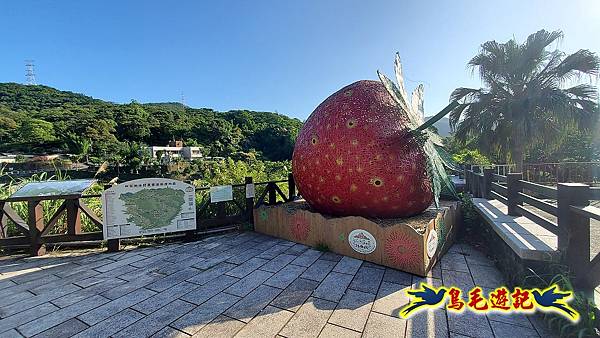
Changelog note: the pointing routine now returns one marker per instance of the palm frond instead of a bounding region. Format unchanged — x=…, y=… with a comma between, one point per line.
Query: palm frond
x=532, y=53
x=547, y=75
x=537, y=42
x=468, y=94
x=455, y=115
x=583, y=92
x=581, y=62
x=524, y=100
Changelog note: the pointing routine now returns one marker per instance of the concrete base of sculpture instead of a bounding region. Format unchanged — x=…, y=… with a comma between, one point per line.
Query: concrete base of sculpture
x=413, y=244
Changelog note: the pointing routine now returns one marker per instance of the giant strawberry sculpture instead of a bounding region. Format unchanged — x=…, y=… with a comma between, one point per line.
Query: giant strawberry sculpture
x=366, y=151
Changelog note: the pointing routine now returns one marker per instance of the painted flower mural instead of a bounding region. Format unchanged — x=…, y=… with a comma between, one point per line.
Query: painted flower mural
x=264, y=215
x=403, y=251
x=300, y=227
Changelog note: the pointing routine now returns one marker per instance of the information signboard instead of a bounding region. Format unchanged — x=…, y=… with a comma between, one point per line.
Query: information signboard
x=52, y=188
x=148, y=206
x=221, y=193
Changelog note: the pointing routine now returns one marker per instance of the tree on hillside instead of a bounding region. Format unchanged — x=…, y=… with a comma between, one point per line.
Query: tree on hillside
x=219, y=137
x=110, y=127
x=530, y=93
x=35, y=131
x=79, y=146
x=8, y=127
x=265, y=139
x=134, y=122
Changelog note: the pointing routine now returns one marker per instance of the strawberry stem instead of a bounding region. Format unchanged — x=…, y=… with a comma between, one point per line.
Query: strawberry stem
x=437, y=116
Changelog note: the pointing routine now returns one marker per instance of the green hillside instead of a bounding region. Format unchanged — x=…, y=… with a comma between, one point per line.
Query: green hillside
x=42, y=119
x=442, y=126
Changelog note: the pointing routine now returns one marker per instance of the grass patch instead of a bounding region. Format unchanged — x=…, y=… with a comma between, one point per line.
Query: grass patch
x=323, y=247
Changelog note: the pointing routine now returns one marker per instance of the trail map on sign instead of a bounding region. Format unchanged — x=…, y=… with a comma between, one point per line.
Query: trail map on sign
x=53, y=188
x=148, y=206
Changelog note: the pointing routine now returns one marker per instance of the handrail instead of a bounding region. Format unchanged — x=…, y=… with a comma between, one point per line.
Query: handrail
x=239, y=185
x=563, y=210
x=587, y=211
x=558, y=163
x=595, y=193
x=6, y=200
x=267, y=182
x=538, y=203
x=540, y=189
x=498, y=177
x=540, y=220
x=499, y=197
x=500, y=189
x=36, y=238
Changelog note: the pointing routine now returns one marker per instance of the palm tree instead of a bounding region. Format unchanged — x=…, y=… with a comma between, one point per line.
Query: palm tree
x=529, y=95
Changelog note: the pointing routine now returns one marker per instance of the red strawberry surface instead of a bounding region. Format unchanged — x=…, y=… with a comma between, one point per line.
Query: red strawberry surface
x=355, y=156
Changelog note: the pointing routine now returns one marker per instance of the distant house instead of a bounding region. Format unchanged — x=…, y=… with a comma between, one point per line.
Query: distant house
x=15, y=158
x=8, y=158
x=174, y=150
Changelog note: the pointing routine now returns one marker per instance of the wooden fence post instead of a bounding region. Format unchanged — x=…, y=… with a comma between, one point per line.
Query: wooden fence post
x=487, y=183
x=35, y=213
x=272, y=193
x=574, y=230
x=249, y=200
x=113, y=245
x=476, y=185
x=291, y=187
x=220, y=209
x=467, y=178
x=73, y=217
x=513, y=187
x=3, y=222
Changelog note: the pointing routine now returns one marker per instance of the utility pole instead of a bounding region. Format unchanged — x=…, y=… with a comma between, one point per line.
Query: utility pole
x=29, y=72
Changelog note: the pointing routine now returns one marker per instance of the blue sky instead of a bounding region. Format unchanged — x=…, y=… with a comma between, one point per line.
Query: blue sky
x=284, y=56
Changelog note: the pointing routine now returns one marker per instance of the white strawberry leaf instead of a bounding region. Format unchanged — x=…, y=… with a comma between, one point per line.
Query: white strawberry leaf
x=431, y=142
x=400, y=77
x=416, y=102
x=395, y=93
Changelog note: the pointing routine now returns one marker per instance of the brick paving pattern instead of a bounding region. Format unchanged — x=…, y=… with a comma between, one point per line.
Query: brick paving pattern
x=238, y=284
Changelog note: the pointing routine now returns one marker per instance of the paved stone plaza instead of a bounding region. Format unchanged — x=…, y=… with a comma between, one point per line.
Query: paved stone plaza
x=238, y=284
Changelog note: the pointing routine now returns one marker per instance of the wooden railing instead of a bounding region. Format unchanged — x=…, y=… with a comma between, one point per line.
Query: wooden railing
x=240, y=209
x=34, y=232
x=564, y=210
x=551, y=173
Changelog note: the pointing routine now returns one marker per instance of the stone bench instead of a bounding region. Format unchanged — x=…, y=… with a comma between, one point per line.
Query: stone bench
x=527, y=239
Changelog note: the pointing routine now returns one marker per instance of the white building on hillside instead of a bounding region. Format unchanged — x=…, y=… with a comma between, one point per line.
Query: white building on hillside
x=175, y=150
